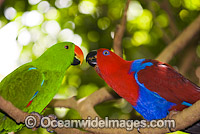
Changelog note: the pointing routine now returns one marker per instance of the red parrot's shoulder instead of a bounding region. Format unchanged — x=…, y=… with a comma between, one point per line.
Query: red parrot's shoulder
x=163, y=79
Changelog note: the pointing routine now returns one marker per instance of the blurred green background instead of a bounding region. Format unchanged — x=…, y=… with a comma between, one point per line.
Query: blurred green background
x=28, y=28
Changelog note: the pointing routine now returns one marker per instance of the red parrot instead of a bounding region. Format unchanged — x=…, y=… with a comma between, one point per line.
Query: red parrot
x=153, y=88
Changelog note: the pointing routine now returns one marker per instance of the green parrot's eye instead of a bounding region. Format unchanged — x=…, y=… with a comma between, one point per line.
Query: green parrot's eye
x=67, y=47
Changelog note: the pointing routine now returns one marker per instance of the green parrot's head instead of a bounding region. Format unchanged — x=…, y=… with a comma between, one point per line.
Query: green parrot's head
x=62, y=54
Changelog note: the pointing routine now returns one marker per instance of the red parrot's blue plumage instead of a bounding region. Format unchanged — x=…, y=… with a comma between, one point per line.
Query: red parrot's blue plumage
x=152, y=87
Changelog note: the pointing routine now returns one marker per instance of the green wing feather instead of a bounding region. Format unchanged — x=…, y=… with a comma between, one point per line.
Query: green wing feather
x=19, y=87
x=44, y=75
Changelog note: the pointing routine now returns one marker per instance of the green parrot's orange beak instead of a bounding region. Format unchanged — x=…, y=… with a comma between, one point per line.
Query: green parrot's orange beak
x=78, y=59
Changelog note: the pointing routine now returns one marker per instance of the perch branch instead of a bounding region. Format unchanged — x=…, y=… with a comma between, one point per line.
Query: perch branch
x=20, y=116
x=70, y=103
x=86, y=105
x=12, y=111
x=191, y=114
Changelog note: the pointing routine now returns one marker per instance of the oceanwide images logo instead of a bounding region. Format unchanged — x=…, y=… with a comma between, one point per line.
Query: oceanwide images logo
x=129, y=125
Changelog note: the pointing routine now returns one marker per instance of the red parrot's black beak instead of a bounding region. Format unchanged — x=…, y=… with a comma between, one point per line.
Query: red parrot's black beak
x=92, y=58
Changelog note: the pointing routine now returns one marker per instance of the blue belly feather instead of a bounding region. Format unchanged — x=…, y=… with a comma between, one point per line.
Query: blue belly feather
x=149, y=104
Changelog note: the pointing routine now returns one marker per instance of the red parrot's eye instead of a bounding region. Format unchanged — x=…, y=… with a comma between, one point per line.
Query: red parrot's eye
x=66, y=46
x=106, y=52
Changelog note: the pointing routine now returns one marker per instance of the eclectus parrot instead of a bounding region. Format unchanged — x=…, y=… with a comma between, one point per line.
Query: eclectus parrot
x=153, y=88
x=33, y=85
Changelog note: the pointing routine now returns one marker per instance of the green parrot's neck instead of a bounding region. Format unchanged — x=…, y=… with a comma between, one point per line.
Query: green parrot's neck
x=53, y=62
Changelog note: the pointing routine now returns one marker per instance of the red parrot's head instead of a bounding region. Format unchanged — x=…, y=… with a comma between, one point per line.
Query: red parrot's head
x=116, y=73
x=104, y=61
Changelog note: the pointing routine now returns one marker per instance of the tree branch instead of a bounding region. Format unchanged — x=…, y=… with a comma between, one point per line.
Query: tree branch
x=86, y=105
x=180, y=42
x=173, y=28
x=166, y=38
x=12, y=111
x=120, y=32
x=188, y=59
x=70, y=103
x=85, y=108
x=1, y=2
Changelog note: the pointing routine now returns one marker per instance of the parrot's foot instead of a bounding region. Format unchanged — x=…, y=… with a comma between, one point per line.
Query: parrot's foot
x=37, y=115
x=171, y=114
x=34, y=129
x=52, y=117
x=49, y=130
x=169, y=117
x=38, y=119
x=138, y=129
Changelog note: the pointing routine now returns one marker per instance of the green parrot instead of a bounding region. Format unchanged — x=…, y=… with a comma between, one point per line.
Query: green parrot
x=33, y=85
